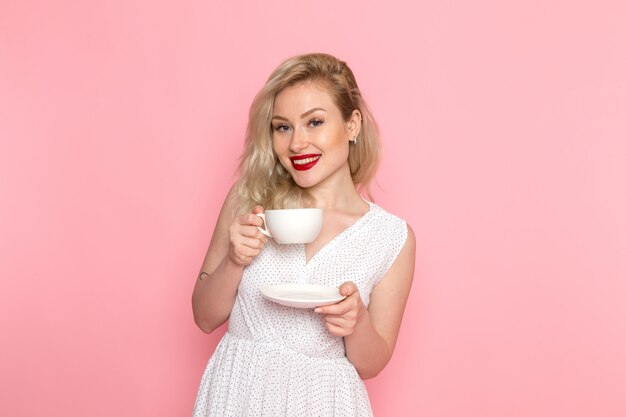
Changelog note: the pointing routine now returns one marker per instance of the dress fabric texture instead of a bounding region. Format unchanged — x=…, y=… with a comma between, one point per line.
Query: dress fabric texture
x=281, y=361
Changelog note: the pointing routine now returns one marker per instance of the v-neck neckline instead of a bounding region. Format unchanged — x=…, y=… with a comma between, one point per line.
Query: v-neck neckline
x=341, y=234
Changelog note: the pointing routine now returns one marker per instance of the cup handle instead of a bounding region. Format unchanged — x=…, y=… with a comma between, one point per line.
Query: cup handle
x=263, y=229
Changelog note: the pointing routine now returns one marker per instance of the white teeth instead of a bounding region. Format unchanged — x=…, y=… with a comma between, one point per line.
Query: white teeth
x=305, y=161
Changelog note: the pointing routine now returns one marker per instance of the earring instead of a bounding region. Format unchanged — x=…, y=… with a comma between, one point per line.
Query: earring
x=353, y=140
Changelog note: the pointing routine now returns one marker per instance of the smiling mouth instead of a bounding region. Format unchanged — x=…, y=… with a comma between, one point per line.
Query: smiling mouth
x=304, y=162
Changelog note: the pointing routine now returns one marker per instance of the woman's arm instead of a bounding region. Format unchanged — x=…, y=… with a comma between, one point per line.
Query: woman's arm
x=235, y=243
x=371, y=333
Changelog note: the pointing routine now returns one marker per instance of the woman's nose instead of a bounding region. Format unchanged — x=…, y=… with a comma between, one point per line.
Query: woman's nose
x=298, y=142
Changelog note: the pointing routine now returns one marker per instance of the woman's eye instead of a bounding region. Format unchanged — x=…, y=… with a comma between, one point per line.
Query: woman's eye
x=281, y=128
x=316, y=122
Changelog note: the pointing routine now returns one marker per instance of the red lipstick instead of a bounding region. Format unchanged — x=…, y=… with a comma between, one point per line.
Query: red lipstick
x=304, y=162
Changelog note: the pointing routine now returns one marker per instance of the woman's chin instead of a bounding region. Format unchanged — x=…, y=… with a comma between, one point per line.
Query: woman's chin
x=304, y=182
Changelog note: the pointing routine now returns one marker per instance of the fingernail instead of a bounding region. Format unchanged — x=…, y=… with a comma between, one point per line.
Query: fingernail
x=318, y=310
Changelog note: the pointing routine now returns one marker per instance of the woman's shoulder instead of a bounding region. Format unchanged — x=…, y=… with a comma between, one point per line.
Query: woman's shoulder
x=383, y=215
x=388, y=223
x=389, y=234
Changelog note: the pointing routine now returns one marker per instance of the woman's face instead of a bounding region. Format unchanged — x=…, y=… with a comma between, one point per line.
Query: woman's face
x=309, y=135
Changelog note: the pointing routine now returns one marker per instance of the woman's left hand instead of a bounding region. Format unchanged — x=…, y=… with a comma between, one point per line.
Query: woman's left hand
x=342, y=318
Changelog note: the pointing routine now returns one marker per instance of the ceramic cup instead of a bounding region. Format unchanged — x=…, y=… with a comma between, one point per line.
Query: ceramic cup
x=292, y=225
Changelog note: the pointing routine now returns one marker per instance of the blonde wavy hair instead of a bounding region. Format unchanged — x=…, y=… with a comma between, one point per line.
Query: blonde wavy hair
x=262, y=179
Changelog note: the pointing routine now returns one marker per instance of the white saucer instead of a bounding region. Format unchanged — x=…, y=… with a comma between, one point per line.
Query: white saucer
x=302, y=295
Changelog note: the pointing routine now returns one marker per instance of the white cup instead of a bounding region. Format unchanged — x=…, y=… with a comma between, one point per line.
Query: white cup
x=292, y=225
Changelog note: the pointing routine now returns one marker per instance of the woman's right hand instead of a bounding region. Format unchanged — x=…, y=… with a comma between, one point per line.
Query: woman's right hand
x=246, y=240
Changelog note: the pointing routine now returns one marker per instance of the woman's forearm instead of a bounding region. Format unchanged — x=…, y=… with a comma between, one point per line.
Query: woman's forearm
x=366, y=349
x=214, y=295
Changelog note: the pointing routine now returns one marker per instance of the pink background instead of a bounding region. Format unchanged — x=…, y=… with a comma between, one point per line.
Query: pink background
x=504, y=130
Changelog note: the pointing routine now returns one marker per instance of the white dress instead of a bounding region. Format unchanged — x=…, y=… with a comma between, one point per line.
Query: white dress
x=281, y=361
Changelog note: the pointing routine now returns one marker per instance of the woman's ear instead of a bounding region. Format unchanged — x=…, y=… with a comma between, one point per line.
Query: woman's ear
x=354, y=124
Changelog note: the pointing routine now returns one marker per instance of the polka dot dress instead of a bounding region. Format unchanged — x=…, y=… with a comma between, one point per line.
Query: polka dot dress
x=281, y=361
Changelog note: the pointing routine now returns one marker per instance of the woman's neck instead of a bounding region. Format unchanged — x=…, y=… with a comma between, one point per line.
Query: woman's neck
x=340, y=195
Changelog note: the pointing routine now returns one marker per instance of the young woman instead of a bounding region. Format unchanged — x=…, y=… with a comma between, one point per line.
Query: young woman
x=311, y=142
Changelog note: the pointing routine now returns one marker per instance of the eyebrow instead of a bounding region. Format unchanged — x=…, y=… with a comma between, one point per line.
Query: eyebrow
x=302, y=116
